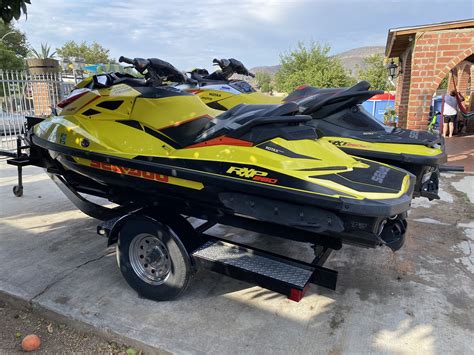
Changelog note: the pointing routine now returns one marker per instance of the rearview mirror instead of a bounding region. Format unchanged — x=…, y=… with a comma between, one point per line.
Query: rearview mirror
x=101, y=81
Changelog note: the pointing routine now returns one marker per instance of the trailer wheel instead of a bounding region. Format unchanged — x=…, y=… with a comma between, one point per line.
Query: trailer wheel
x=152, y=259
x=18, y=191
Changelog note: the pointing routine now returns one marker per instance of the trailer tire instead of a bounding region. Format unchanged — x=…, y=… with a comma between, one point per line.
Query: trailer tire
x=152, y=259
x=18, y=191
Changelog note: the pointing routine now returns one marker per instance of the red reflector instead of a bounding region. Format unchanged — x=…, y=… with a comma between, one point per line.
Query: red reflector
x=297, y=295
x=73, y=97
x=222, y=140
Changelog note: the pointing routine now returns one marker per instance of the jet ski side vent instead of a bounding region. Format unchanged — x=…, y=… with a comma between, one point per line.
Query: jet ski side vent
x=110, y=105
x=90, y=112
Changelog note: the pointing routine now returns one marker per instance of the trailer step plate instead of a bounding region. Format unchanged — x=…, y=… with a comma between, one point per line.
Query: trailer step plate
x=281, y=275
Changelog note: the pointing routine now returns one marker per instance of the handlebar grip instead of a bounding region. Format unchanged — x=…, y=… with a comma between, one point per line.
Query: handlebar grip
x=123, y=59
x=252, y=75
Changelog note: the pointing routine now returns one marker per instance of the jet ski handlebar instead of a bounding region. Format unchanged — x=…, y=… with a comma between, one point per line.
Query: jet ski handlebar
x=232, y=66
x=123, y=59
x=156, y=71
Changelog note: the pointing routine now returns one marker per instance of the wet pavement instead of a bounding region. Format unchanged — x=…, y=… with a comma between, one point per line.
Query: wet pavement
x=419, y=299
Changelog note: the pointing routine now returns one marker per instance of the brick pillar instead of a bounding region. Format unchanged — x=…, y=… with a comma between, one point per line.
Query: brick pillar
x=434, y=55
x=470, y=104
x=464, y=73
x=471, y=101
x=44, y=84
x=403, y=89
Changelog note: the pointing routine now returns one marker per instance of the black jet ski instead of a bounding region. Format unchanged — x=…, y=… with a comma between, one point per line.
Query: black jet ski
x=339, y=117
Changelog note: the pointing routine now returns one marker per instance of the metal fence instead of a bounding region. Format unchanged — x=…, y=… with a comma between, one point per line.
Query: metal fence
x=23, y=94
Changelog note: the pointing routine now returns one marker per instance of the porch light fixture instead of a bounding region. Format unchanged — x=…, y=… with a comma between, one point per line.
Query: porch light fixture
x=392, y=69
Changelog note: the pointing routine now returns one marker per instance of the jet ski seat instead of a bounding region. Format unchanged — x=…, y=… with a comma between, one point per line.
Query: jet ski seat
x=240, y=120
x=286, y=109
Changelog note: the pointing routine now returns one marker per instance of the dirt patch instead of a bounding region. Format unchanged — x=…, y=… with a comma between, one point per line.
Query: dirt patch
x=55, y=337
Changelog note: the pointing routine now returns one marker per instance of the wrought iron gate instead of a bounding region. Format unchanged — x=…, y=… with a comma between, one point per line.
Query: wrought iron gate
x=23, y=94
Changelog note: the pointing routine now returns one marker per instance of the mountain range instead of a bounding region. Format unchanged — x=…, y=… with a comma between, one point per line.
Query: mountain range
x=350, y=60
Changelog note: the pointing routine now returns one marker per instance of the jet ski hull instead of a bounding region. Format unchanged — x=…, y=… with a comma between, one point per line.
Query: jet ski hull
x=137, y=184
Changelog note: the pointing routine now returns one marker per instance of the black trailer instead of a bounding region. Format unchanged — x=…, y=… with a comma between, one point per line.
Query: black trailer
x=149, y=249
x=158, y=251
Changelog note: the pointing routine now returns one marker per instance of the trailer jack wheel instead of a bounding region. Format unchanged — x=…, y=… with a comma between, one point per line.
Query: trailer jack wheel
x=152, y=259
x=18, y=190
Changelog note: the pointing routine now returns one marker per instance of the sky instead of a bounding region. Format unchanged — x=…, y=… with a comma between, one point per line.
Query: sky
x=190, y=34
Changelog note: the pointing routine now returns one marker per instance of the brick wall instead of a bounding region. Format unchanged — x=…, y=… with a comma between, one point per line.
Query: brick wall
x=403, y=87
x=434, y=55
x=464, y=74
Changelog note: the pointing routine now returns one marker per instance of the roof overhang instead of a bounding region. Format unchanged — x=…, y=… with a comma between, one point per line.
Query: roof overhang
x=399, y=39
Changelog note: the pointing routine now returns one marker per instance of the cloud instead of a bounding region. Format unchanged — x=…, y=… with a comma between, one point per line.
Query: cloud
x=191, y=34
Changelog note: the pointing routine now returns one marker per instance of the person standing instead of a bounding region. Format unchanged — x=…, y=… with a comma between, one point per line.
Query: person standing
x=450, y=111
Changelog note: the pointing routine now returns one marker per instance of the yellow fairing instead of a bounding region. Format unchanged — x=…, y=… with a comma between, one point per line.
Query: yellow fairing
x=168, y=111
x=254, y=98
x=229, y=100
x=92, y=99
x=394, y=148
x=208, y=96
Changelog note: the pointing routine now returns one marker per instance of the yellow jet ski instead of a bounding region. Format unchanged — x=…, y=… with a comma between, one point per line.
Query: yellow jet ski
x=339, y=119
x=147, y=146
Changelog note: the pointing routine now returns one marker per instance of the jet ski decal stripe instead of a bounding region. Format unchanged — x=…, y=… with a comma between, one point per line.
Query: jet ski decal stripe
x=148, y=175
x=216, y=106
x=152, y=132
x=162, y=137
x=275, y=148
x=382, y=178
x=180, y=123
x=402, y=157
x=355, y=185
x=185, y=132
x=222, y=140
x=325, y=168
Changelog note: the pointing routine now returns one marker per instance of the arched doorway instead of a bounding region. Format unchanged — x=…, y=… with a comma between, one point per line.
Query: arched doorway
x=435, y=50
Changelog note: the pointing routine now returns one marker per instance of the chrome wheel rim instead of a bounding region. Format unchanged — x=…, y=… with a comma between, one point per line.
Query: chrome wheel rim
x=150, y=259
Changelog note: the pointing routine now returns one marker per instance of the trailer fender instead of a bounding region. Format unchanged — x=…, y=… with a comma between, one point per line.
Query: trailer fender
x=180, y=226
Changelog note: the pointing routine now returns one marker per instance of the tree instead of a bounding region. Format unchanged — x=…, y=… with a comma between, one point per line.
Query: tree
x=264, y=81
x=13, y=47
x=92, y=54
x=443, y=85
x=375, y=73
x=12, y=9
x=312, y=66
x=10, y=61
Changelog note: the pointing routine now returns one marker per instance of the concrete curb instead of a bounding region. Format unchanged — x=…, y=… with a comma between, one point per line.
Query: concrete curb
x=109, y=335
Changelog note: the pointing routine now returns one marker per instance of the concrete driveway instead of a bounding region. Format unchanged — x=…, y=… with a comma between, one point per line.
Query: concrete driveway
x=420, y=299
